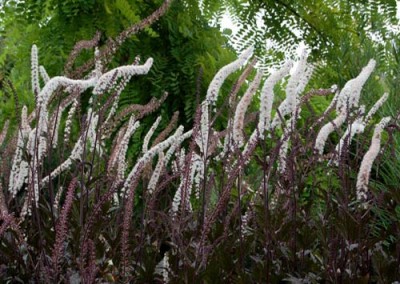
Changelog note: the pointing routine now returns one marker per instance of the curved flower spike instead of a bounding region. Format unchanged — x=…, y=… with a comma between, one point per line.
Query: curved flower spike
x=267, y=97
x=223, y=73
x=126, y=72
x=368, y=160
x=238, y=121
x=35, y=70
x=350, y=94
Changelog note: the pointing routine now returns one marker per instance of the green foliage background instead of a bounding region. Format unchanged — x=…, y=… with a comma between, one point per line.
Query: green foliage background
x=181, y=43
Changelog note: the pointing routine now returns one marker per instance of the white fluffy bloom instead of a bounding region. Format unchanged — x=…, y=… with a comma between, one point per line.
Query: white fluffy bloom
x=176, y=201
x=347, y=98
x=121, y=154
x=223, y=73
x=35, y=70
x=283, y=150
x=368, y=160
x=57, y=199
x=114, y=106
x=326, y=130
x=181, y=158
x=42, y=147
x=253, y=139
x=296, y=84
x=356, y=127
x=44, y=74
x=162, y=268
x=350, y=94
x=25, y=128
x=76, y=154
x=126, y=72
x=197, y=173
x=334, y=89
x=60, y=81
x=175, y=144
x=68, y=122
x=202, y=139
x=186, y=182
x=375, y=107
x=156, y=173
x=199, y=176
x=77, y=151
x=147, y=158
x=91, y=134
x=238, y=121
x=267, y=97
x=19, y=168
x=4, y=131
x=98, y=64
x=55, y=126
x=227, y=140
x=149, y=134
x=290, y=105
x=42, y=101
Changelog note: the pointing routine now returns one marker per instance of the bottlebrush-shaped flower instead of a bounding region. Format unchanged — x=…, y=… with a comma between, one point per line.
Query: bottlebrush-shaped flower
x=238, y=121
x=346, y=100
x=223, y=73
x=35, y=70
x=375, y=107
x=358, y=126
x=76, y=154
x=326, y=130
x=202, y=138
x=350, y=94
x=174, y=145
x=149, y=134
x=156, y=173
x=296, y=84
x=267, y=97
x=20, y=168
x=121, y=156
x=147, y=157
x=68, y=122
x=43, y=74
x=124, y=72
x=368, y=160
